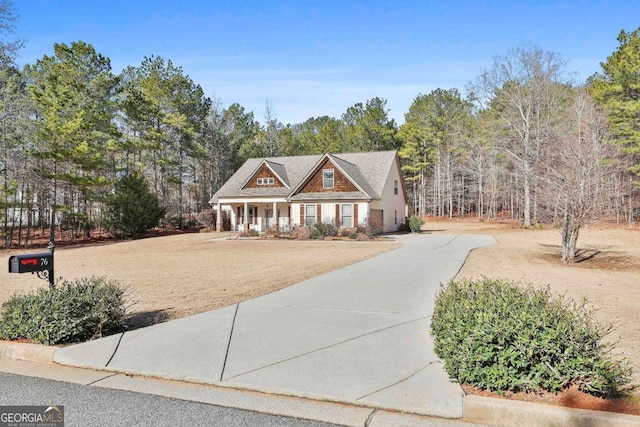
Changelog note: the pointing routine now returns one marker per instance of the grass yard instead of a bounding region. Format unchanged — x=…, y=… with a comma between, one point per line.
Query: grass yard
x=175, y=276
x=608, y=273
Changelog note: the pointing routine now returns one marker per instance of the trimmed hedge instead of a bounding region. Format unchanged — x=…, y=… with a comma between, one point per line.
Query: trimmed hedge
x=505, y=336
x=69, y=312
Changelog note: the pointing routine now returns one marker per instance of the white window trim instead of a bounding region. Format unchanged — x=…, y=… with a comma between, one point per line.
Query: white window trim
x=324, y=179
x=306, y=216
x=342, y=215
x=265, y=181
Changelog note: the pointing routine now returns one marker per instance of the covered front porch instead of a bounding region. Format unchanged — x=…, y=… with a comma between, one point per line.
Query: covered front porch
x=256, y=215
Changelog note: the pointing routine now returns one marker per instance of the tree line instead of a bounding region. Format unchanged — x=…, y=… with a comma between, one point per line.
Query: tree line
x=523, y=141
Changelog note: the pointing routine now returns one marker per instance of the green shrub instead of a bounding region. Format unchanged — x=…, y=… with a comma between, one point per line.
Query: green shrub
x=500, y=336
x=69, y=312
x=133, y=209
x=404, y=227
x=316, y=234
x=415, y=224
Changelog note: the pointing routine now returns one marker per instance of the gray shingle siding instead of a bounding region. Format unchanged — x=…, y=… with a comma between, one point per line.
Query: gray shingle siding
x=367, y=170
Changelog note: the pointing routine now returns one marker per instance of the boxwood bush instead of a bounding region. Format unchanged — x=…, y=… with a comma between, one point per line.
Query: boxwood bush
x=506, y=336
x=69, y=312
x=415, y=224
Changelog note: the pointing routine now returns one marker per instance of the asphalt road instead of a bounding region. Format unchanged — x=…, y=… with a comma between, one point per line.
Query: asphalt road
x=86, y=406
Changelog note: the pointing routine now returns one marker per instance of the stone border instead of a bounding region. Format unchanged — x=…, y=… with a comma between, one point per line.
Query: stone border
x=513, y=413
x=27, y=351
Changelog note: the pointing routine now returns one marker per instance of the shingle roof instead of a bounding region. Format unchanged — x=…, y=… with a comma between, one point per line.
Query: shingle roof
x=279, y=170
x=368, y=171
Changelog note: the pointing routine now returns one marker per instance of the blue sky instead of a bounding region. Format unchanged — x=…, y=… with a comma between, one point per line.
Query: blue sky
x=319, y=58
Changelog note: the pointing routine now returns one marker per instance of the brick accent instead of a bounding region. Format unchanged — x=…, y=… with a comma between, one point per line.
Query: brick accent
x=302, y=215
x=337, y=219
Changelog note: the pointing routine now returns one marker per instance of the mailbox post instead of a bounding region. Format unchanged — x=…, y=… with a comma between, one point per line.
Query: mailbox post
x=40, y=263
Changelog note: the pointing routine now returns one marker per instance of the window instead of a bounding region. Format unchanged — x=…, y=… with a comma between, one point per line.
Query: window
x=253, y=213
x=347, y=215
x=327, y=178
x=265, y=181
x=309, y=215
x=395, y=186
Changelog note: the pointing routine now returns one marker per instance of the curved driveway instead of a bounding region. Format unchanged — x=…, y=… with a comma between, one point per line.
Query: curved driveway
x=358, y=334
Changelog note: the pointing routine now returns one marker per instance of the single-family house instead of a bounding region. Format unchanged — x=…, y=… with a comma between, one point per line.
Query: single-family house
x=343, y=189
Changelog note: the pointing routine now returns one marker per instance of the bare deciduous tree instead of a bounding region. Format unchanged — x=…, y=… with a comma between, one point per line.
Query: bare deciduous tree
x=524, y=89
x=577, y=171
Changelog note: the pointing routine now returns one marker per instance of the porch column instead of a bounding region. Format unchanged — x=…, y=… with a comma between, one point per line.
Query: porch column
x=275, y=215
x=219, y=219
x=245, y=217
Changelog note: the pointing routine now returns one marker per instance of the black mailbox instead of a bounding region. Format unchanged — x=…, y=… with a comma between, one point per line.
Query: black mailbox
x=31, y=263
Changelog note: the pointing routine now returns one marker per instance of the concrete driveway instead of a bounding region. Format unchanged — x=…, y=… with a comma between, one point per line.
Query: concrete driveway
x=359, y=334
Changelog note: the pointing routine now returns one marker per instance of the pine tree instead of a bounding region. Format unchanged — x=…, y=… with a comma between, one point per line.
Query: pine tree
x=617, y=89
x=133, y=209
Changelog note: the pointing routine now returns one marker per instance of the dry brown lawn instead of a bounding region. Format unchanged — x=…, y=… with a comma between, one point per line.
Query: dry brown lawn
x=176, y=276
x=607, y=273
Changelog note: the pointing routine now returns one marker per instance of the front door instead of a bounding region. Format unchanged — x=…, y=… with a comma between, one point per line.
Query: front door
x=268, y=217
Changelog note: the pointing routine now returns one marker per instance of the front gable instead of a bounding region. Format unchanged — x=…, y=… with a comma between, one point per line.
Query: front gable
x=264, y=177
x=316, y=182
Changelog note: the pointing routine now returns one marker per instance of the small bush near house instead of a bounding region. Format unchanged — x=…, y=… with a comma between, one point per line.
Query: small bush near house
x=209, y=218
x=300, y=233
x=371, y=227
x=316, y=234
x=69, y=312
x=250, y=233
x=273, y=230
x=346, y=231
x=503, y=336
x=327, y=229
x=404, y=227
x=415, y=224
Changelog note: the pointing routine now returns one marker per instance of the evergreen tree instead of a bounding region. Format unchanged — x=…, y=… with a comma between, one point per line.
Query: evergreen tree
x=73, y=92
x=133, y=208
x=368, y=127
x=617, y=88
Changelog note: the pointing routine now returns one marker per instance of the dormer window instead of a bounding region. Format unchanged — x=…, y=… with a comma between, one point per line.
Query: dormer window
x=327, y=179
x=265, y=181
